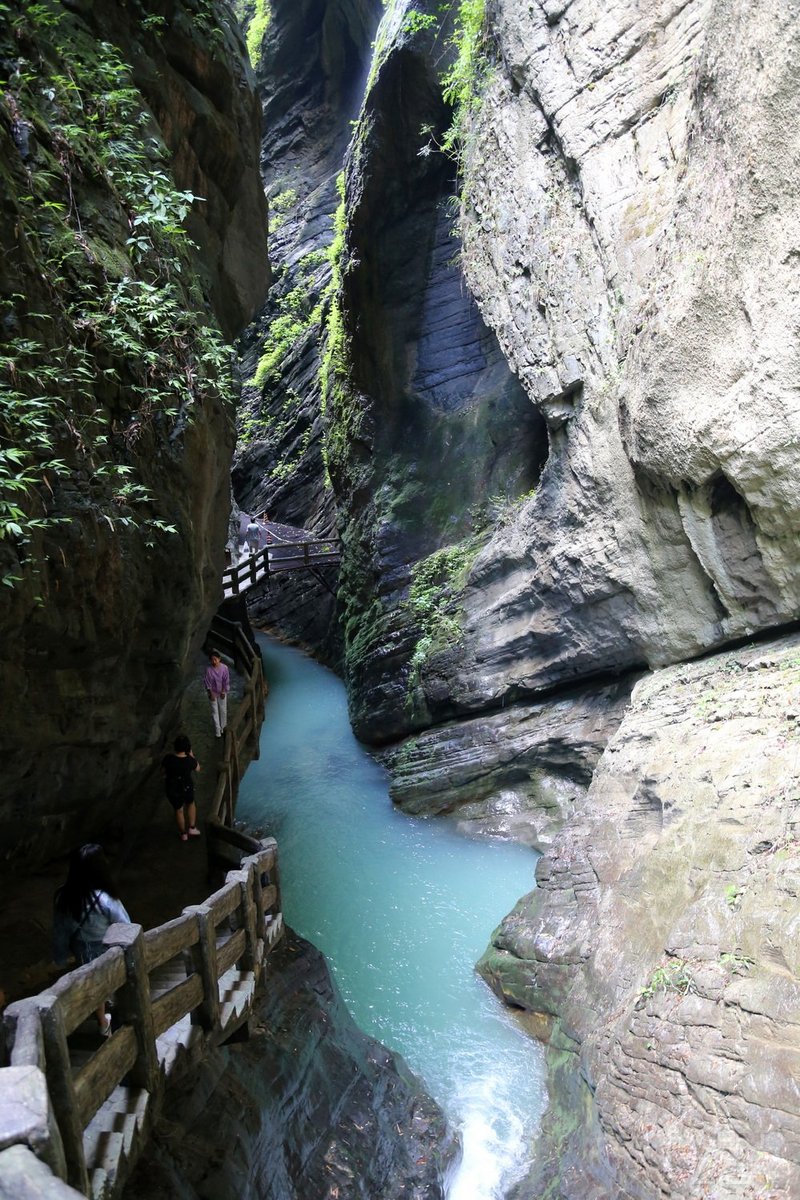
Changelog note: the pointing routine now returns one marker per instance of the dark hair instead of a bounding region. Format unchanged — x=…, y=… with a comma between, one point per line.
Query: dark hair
x=214, y=654
x=182, y=744
x=88, y=874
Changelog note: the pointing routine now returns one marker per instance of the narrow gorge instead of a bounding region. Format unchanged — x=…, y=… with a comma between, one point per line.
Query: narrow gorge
x=515, y=296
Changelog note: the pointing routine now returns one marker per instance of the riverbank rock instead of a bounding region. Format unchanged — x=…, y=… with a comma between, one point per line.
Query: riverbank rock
x=662, y=942
x=516, y=774
x=312, y=1107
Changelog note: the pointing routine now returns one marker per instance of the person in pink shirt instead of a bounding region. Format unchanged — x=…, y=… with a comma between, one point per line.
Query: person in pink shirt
x=217, y=683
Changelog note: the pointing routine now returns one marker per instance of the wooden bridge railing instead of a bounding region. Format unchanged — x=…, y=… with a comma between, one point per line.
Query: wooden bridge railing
x=192, y=979
x=76, y=1119
x=276, y=557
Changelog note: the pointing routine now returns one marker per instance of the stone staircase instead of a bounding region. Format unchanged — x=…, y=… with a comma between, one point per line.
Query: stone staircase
x=177, y=990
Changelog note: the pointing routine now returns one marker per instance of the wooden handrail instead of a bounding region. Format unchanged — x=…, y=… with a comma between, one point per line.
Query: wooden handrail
x=37, y=1030
x=279, y=556
x=234, y=930
x=242, y=734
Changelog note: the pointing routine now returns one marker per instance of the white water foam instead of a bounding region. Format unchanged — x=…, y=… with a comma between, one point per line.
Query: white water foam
x=493, y=1140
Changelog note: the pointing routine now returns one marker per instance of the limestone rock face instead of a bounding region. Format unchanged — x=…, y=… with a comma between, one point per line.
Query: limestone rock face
x=628, y=224
x=517, y=773
x=630, y=232
x=312, y=1106
x=662, y=939
x=111, y=315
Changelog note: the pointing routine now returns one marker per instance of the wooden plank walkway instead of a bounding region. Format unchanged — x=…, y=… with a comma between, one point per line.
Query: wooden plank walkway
x=285, y=548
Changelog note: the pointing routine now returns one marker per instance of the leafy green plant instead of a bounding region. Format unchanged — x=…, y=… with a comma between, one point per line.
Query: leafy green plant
x=461, y=85
x=415, y=21
x=256, y=29
x=733, y=894
x=673, y=976
x=738, y=963
x=436, y=583
x=107, y=375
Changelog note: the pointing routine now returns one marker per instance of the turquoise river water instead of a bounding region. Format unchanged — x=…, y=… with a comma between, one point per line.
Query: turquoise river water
x=402, y=908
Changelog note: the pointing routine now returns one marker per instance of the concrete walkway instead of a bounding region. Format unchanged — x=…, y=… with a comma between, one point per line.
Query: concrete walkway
x=157, y=873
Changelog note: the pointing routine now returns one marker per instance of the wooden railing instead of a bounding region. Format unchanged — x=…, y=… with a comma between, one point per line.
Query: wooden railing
x=175, y=989
x=276, y=557
x=74, y=1115
x=244, y=726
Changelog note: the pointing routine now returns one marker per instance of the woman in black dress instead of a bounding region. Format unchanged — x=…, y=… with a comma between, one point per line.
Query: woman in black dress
x=179, y=768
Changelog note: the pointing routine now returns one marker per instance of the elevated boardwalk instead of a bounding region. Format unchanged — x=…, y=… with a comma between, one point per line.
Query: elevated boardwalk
x=283, y=548
x=75, y=1109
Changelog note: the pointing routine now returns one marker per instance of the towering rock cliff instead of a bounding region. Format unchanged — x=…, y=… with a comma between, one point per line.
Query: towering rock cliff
x=564, y=448
x=133, y=240
x=310, y=63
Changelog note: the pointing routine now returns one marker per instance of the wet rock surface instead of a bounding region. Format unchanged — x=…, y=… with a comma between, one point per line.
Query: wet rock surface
x=518, y=773
x=313, y=1107
x=662, y=942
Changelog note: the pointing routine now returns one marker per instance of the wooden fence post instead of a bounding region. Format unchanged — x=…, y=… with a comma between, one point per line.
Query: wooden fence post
x=133, y=1003
x=204, y=957
x=58, y=1072
x=251, y=862
x=244, y=877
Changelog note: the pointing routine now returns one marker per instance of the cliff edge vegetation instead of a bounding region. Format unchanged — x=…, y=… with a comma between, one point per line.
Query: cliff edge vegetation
x=133, y=239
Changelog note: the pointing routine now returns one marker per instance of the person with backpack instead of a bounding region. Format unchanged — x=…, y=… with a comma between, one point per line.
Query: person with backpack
x=84, y=908
x=179, y=768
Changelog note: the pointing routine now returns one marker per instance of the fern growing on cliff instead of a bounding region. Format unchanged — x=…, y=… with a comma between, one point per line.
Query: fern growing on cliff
x=461, y=84
x=103, y=360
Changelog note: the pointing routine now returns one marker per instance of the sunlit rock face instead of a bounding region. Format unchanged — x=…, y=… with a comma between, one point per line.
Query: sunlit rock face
x=662, y=941
x=102, y=625
x=629, y=234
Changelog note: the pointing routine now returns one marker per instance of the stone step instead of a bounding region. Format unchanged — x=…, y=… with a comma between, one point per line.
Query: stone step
x=236, y=993
x=110, y=1139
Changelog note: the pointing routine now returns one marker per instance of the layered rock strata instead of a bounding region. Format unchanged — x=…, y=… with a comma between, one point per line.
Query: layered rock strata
x=643, y=288
x=630, y=241
x=312, y=1106
x=516, y=774
x=662, y=944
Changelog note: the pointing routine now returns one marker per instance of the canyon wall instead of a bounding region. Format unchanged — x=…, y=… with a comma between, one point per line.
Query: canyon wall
x=560, y=420
x=133, y=240
x=310, y=65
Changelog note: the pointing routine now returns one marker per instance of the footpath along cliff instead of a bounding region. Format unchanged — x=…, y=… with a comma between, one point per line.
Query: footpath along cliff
x=134, y=241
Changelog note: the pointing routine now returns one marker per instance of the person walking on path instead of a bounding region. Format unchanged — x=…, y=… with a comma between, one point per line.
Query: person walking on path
x=179, y=769
x=253, y=535
x=217, y=682
x=84, y=908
